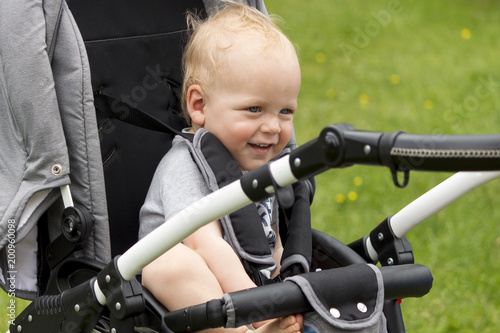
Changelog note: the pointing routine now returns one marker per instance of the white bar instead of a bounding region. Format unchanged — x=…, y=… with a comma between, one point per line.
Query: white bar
x=372, y=253
x=66, y=196
x=281, y=171
x=210, y=208
x=101, y=298
x=438, y=198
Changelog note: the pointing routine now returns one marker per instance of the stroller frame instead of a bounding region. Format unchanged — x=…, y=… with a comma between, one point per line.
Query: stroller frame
x=116, y=288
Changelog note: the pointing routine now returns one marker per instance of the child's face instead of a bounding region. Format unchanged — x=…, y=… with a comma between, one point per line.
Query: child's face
x=251, y=109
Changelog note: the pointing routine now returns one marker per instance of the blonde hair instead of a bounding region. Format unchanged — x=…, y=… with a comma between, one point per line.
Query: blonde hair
x=208, y=48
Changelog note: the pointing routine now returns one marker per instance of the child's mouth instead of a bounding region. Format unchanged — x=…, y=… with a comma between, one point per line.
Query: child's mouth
x=260, y=147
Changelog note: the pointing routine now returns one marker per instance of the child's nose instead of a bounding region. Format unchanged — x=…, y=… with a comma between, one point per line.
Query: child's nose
x=271, y=125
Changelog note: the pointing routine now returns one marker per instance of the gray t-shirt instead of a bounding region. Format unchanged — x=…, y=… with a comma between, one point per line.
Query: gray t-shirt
x=177, y=183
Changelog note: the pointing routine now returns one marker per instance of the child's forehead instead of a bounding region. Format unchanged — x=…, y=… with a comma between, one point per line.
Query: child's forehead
x=236, y=47
x=248, y=54
x=252, y=67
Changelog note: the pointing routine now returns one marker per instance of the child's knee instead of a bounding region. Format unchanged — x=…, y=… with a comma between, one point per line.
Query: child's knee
x=175, y=265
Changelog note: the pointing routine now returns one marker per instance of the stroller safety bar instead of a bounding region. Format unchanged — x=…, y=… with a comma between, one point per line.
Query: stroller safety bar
x=282, y=299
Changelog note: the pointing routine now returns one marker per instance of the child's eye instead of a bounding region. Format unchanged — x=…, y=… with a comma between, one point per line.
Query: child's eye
x=254, y=109
x=286, y=111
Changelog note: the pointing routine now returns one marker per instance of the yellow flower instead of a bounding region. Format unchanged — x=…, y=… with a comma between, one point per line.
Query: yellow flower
x=466, y=33
x=352, y=195
x=330, y=93
x=340, y=198
x=395, y=78
x=429, y=105
x=358, y=181
x=320, y=57
x=364, y=100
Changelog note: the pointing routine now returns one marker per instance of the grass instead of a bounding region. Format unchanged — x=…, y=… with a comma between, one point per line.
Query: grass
x=423, y=67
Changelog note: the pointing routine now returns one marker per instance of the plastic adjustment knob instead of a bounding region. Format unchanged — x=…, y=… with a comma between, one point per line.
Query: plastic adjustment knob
x=77, y=224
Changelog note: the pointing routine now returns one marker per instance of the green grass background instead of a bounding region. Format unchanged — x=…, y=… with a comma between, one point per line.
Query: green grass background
x=405, y=65
x=350, y=51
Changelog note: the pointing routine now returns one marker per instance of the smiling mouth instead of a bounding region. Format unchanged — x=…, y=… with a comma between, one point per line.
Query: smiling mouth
x=260, y=148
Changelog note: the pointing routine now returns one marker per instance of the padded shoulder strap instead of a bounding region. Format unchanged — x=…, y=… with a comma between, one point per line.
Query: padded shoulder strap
x=243, y=230
x=125, y=112
x=296, y=232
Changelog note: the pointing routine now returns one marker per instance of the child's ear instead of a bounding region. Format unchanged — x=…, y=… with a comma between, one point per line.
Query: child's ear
x=196, y=104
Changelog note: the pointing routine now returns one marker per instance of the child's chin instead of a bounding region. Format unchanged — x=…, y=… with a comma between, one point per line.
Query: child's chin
x=253, y=165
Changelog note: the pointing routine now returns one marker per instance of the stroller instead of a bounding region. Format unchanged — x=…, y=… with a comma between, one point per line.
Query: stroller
x=134, y=60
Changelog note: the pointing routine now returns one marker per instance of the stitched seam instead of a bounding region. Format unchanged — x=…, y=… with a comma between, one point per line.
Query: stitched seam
x=134, y=37
x=108, y=157
x=445, y=153
x=82, y=54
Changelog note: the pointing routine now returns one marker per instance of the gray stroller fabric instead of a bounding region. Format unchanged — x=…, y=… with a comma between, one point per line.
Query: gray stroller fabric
x=48, y=131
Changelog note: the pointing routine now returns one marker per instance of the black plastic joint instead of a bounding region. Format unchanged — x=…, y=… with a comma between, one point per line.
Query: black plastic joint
x=255, y=183
x=196, y=318
x=123, y=298
x=315, y=156
x=391, y=249
x=74, y=310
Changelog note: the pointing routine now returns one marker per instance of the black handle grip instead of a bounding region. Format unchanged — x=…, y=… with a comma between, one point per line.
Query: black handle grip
x=340, y=145
x=447, y=152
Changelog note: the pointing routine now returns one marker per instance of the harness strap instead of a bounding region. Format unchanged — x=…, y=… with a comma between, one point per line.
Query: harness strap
x=125, y=112
x=243, y=228
x=295, y=231
x=244, y=220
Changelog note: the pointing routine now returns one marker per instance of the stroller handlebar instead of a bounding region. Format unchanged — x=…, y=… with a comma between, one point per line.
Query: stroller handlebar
x=341, y=145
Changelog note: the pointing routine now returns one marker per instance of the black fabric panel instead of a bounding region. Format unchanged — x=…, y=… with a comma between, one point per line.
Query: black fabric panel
x=329, y=252
x=124, y=18
x=135, y=54
x=131, y=155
